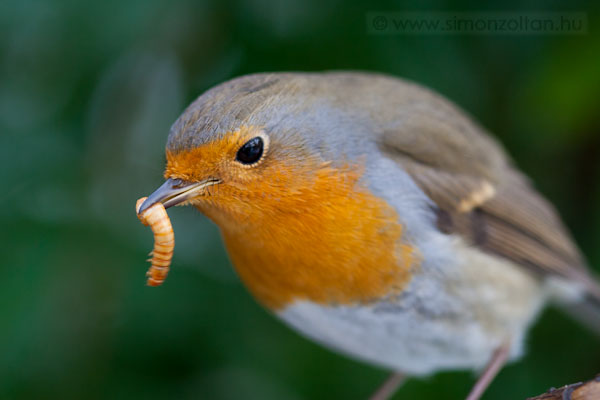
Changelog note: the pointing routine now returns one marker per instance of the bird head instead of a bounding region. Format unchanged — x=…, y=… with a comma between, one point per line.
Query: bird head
x=239, y=151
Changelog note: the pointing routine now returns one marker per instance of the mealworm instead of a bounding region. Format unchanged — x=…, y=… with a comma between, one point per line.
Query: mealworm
x=164, y=241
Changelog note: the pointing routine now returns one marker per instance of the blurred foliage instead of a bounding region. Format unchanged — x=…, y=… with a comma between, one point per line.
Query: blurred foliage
x=88, y=91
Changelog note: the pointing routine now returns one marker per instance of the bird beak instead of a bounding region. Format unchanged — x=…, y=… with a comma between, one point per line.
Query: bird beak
x=175, y=191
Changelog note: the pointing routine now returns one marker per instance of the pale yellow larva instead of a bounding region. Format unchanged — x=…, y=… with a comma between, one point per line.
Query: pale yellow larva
x=164, y=241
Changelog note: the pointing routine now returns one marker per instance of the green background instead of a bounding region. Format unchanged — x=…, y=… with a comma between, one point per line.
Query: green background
x=88, y=91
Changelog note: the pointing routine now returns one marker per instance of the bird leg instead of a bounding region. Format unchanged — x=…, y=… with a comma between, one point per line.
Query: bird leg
x=389, y=387
x=491, y=370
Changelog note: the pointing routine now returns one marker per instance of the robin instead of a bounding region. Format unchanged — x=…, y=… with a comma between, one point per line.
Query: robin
x=376, y=218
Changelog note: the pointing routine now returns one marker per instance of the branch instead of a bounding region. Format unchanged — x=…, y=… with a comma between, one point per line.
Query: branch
x=589, y=390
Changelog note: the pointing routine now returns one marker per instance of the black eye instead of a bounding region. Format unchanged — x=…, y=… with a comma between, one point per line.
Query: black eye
x=251, y=151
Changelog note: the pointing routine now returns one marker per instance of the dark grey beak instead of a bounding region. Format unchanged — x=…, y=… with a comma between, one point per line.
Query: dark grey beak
x=175, y=191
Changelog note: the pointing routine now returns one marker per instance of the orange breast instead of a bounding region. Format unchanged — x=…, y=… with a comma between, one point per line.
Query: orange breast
x=330, y=243
x=299, y=229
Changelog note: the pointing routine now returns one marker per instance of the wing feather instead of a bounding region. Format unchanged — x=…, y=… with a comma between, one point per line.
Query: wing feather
x=493, y=207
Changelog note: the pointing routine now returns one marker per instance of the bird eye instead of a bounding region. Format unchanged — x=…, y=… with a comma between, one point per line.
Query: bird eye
x=251, y=151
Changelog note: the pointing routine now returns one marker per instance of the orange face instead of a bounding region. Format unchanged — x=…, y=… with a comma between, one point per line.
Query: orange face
x=297, y=227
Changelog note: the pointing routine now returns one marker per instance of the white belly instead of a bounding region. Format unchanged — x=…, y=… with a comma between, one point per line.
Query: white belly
x=450, y=317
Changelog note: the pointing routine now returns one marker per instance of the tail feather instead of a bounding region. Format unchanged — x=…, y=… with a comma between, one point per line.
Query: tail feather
x=587, y=309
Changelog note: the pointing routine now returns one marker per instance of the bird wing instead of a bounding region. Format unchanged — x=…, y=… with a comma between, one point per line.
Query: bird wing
x=480, y=196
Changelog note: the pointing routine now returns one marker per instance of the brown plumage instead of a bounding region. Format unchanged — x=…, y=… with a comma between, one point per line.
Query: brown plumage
x=480, y=196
